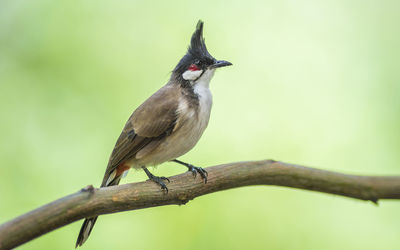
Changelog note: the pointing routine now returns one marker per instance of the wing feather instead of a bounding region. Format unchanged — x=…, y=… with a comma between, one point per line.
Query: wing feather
x=149, y=123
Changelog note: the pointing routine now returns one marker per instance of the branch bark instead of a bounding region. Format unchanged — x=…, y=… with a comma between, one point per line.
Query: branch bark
x=90, y=202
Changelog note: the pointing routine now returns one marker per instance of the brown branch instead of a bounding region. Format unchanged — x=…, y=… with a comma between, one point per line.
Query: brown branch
x=90, y=202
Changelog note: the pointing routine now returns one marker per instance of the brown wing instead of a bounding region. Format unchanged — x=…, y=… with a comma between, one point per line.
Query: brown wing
x=151, y=121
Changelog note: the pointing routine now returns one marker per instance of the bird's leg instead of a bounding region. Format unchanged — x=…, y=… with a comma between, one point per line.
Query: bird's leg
x=156, y=179
x=203, y=173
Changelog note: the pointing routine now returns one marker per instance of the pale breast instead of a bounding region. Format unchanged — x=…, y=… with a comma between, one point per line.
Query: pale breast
x=193, y=120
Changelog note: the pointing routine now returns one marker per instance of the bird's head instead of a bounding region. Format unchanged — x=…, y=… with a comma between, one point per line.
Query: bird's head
x=197, y=64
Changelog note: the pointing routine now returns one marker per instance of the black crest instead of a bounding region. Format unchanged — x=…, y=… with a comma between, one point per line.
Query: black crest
x=197, y=46
x=197, y=52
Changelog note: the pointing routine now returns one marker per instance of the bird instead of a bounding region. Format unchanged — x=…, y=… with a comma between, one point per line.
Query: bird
x=168, y=124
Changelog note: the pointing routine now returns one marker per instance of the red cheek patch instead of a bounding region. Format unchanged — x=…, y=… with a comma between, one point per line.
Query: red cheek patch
x=193, y=67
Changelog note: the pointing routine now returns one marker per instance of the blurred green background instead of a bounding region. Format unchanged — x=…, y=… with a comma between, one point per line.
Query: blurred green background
x=313, y=82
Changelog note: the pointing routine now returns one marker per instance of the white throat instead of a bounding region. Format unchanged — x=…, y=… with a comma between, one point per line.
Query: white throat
x=204, y=79
x=201, y=88
x=200, y=84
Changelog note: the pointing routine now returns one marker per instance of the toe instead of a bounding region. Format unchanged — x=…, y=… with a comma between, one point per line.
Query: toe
x=204, y=174
x=194, y=172
x=165, y=178
x=164, y=187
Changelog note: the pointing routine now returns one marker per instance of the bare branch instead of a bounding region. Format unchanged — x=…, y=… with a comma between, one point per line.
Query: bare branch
x=90, y=202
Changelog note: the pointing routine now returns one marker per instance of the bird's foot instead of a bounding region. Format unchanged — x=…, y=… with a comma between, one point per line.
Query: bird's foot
x=157, y=179
x=160, y=181
x=203, y=173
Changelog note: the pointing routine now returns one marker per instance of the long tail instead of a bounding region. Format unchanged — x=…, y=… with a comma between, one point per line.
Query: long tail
x=85, y=231
x=110, y=179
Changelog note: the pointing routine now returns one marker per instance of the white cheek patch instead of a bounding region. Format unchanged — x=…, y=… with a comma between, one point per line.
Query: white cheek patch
x=191, y=75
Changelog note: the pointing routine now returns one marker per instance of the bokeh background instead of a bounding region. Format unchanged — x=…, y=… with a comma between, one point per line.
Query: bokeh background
x=313, y=82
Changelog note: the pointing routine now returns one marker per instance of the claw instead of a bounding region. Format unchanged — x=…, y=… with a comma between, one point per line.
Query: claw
x=203, y=173
x=164, y=178
x=163, y=186
x=193, y=170
x=159, y=180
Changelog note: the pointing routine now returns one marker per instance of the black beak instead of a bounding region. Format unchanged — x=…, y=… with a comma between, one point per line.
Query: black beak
x=219, y=64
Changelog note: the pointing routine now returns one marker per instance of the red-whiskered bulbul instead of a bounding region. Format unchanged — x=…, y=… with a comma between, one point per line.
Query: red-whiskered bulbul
x=168, y=124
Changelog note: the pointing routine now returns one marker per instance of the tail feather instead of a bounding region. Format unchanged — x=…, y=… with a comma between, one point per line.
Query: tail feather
x=87, y=226
x=86, y=229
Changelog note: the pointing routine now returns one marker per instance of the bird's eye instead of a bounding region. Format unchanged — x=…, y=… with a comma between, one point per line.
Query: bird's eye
x=193, y=67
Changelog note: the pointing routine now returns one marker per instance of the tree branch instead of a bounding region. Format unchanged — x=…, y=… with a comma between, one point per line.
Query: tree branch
x=90, y=202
